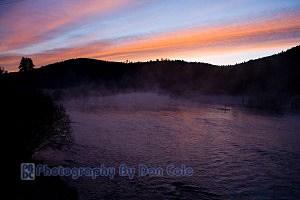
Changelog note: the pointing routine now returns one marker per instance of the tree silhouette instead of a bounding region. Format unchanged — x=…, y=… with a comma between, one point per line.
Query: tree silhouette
x=2, y=70
x=26, y=65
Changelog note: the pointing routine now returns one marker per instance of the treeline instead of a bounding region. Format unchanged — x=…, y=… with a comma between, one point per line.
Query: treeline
x=30, y=119
x=274, y=78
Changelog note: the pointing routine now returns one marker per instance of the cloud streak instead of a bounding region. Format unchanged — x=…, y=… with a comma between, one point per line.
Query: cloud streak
x=191, y=43
x=26, y=25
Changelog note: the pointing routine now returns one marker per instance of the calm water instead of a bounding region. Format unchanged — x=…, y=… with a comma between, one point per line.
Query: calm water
x=237, y=154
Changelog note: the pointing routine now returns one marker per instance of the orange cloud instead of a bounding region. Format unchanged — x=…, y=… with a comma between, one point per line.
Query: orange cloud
x=25, y=26
x=268, y=33
x=236, y=35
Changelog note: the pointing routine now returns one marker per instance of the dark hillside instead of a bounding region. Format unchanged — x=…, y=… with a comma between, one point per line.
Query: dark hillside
x=275, y=76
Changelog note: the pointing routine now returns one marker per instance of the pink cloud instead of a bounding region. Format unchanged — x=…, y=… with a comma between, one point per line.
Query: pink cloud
x=26, y=24
x=272, y=32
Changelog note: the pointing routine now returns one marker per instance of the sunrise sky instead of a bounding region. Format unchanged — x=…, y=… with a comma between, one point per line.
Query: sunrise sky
x=216, y=31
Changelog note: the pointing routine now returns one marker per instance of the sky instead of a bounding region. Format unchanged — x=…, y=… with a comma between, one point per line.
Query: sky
x=219, y=32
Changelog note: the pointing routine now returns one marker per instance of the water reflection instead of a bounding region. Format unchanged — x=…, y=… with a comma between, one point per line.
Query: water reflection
x=235, y=154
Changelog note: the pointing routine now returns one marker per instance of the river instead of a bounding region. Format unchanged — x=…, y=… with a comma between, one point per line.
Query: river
x=236, y=153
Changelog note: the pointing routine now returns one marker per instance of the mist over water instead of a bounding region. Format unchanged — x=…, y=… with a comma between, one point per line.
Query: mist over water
x=235, y=153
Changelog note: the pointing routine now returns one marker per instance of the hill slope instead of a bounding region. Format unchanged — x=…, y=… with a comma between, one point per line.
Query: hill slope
x=277, y=75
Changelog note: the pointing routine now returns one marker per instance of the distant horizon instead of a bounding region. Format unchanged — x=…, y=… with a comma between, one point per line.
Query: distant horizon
x=217, y=32
x=159, y=59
